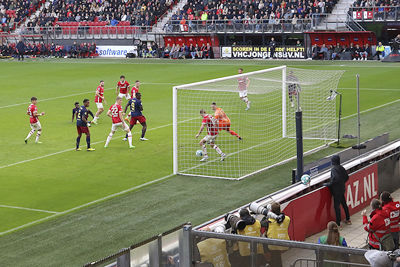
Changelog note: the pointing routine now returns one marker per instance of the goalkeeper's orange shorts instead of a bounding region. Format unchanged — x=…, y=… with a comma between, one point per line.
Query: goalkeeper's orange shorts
x=224, y=125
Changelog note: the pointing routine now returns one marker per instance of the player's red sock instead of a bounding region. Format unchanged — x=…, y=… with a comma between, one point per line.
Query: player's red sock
x=234, y=133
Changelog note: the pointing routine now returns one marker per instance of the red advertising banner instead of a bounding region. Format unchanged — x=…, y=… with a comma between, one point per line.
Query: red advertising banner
x=311, y=212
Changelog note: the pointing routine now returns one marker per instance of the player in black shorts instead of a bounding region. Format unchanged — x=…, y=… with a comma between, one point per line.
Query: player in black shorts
x=82, y=125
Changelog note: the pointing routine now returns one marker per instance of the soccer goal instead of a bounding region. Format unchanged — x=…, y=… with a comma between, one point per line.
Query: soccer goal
x=267, y=129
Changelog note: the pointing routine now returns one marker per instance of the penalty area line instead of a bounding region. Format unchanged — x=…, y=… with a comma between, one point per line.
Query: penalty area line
x=87, y=204
x=30, y=209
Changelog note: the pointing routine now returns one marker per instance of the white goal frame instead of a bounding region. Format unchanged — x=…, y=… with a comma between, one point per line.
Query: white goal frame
x=284, y=134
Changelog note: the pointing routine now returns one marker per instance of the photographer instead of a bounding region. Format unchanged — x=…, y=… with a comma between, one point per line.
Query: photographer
x=252, y=228
x=214, y=251
x=276, y=229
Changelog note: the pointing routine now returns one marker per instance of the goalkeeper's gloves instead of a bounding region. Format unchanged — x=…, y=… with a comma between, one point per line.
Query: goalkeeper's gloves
x=280, y=218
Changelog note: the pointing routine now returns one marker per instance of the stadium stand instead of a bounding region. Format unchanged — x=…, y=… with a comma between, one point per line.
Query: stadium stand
x=251, y=12
x=93, y=13
x=13, y=13
x=378, y=10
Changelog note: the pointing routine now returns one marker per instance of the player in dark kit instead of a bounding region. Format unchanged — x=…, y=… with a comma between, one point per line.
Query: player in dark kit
x=135, y=105
x=75, y=111
x=82, y=125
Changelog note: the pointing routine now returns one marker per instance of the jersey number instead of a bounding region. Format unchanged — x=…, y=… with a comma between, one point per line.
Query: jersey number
x=133, y=105
x=114, y=111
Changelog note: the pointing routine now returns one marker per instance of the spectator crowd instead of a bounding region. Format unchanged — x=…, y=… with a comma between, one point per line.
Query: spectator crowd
x=251, y=12
x=39, y=49
x=114, y=12
x=15, y=12
x=343, y=52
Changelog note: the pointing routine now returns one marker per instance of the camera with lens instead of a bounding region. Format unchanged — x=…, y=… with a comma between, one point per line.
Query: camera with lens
x=234, y=222
x=266, y=211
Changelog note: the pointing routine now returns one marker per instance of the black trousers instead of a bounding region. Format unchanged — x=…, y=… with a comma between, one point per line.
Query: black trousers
x=337, y=201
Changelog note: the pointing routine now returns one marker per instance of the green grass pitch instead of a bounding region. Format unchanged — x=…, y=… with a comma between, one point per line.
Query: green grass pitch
x=46, y=190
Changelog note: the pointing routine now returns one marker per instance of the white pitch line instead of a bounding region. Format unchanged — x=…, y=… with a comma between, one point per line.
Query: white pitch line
x=76, y=94
x=30, y=209
x=370, y=89
x=71, y=149
x=87, y=204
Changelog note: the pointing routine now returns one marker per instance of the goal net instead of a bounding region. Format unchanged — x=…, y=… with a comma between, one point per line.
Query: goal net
x=267, y=128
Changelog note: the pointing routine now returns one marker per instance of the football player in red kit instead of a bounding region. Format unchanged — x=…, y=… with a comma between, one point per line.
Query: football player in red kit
x=123, y=88
x=99, y=99
x=33, y=114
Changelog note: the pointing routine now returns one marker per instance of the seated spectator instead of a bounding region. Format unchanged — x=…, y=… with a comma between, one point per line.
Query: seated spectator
x=208, y=51
x=315, y=51
x=357, y=52
x=333, y=238
x=166, y=52
x=192, y=51
x=198, y=51
x=379, y=236
x=367, y=52
x=337, y=51
x=393, y=208
x=323, y=52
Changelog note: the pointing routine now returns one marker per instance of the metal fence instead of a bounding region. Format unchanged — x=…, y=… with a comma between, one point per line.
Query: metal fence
x=90, y=32
x=238, y=26
x=261, y=251
x=375, y=13
x=158, y=251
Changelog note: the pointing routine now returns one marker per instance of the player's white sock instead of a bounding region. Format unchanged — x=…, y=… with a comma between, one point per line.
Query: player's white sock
x=38, y=136
x=95, y=119
x=204, y=148
x=217, y=149
x=109, y=137
x=30, y=134
x=130, y=138
x=245, y=100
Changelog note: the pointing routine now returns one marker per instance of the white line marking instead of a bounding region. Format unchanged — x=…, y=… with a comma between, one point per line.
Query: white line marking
x=87, y=204
x=71, y=149
x=139, y=186
x=370, y=89
x=30, y=209
x=83, y=93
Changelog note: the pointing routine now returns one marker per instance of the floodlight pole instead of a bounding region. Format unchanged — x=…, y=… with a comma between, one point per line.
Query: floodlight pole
x=299, y=139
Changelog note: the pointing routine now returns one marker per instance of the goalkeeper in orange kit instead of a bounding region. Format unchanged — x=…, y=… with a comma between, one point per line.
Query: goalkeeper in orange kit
x=224, y=123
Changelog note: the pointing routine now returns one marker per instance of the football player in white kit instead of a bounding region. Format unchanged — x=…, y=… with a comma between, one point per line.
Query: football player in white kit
x=243, y=84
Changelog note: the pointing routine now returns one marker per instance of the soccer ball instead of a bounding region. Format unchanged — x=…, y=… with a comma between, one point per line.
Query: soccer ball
x=305, y=179
x=199, y=153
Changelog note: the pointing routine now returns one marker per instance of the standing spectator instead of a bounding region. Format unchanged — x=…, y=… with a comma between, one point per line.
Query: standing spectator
x=21, y=50
x=272, y=46
x=378, y=227
x=380, y=51
x=277, y=231
x=393, y=208
x=337, y=186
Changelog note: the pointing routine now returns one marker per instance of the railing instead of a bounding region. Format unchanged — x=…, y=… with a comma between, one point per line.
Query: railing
x=375, y=13
x=353, y=25
x=152, y=252
x=90, y=32
x=194, y=241
x=239, y=26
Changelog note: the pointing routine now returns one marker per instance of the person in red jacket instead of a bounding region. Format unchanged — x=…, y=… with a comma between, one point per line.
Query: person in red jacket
x=378, y=226
x=393, y=208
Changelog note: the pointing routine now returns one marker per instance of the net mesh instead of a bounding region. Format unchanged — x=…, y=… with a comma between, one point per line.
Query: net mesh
x=262, y=127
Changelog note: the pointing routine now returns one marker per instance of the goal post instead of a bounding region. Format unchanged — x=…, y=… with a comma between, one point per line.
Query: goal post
x=267, y=129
